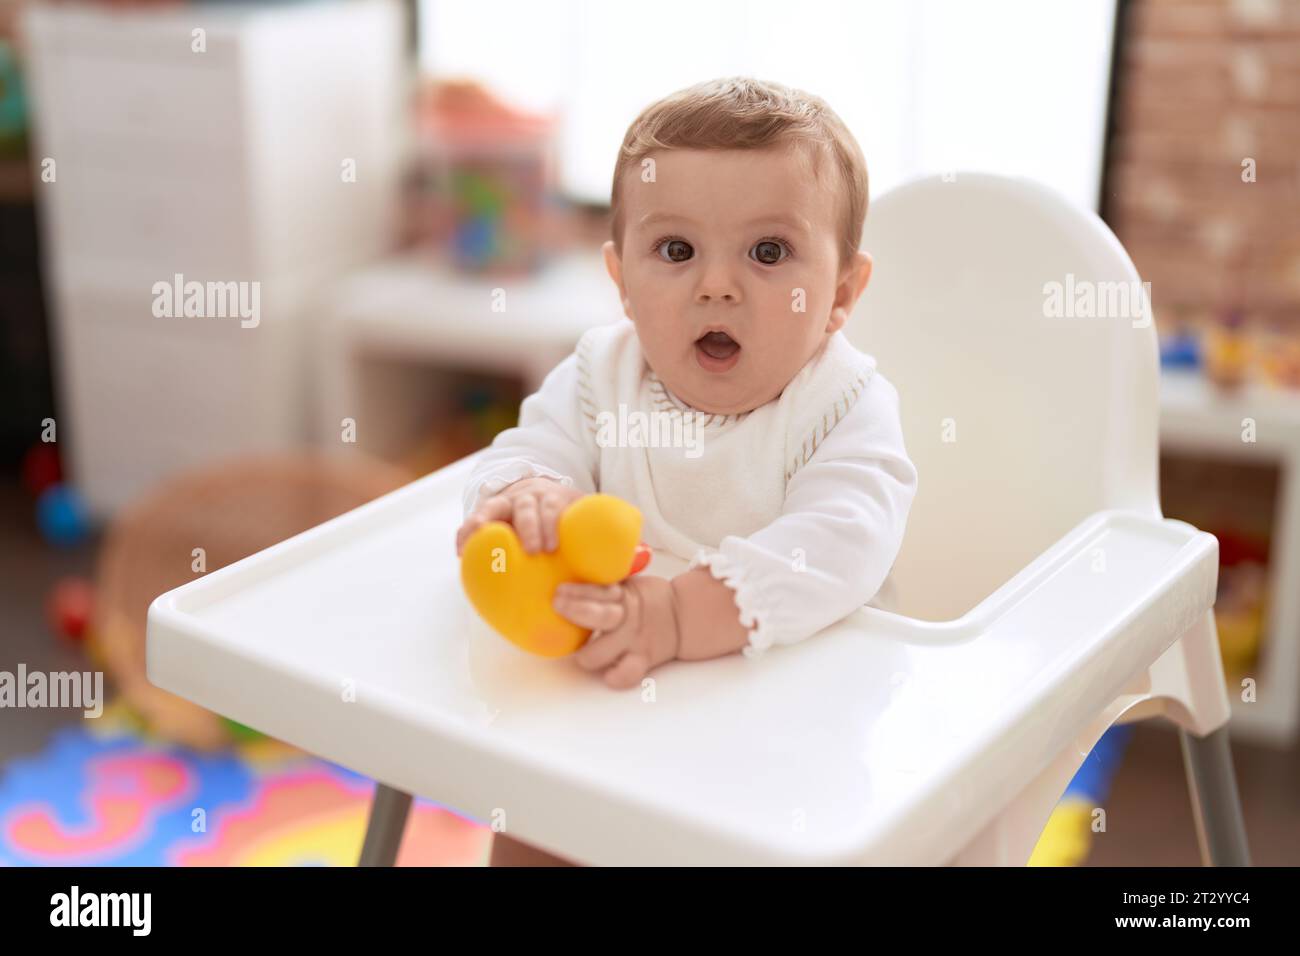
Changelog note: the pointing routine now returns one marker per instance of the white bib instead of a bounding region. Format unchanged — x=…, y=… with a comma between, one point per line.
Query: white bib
x=708, y=476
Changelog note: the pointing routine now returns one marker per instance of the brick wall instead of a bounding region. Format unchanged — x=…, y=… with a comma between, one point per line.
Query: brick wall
x=1204, y=86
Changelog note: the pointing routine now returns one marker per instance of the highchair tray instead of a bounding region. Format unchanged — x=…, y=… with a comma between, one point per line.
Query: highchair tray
x=880, y=740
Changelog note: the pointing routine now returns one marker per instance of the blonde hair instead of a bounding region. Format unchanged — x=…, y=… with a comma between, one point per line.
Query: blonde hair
x=740, y=112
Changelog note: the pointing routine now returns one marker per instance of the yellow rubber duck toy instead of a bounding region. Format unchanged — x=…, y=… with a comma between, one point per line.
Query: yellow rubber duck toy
x=598, y=543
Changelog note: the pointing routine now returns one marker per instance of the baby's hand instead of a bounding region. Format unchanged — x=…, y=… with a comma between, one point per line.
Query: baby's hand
x=634, y=626
x=531, y=505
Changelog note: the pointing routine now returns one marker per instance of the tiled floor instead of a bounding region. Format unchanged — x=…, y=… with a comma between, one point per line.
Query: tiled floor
x=1148, y=815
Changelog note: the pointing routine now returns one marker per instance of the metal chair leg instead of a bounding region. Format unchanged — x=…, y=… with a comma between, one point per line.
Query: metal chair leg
x=1216, y=806
x=388, y=812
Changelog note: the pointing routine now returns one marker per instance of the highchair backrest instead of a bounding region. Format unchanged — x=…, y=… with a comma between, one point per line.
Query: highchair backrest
x=1014, y=326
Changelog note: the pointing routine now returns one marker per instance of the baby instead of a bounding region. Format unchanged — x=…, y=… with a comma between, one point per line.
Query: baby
x=759, y=444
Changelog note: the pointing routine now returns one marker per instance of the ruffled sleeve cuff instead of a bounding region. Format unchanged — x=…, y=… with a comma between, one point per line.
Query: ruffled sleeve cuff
x=754, y=615
x=506, y=473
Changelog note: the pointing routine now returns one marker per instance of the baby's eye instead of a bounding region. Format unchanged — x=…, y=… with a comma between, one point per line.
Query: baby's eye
x=675, y=250
x=769, y=251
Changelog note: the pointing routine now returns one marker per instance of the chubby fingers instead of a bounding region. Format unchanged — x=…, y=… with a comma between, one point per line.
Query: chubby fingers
x=494, y=509
x=628, y=671
x=551, y=505
x=603, y=650
x=595, y=606
x=609, y=609
x=527, y=522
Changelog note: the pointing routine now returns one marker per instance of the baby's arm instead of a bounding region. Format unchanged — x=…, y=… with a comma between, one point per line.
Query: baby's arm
x=708, y=621
x=828, y=554
x=551, y=441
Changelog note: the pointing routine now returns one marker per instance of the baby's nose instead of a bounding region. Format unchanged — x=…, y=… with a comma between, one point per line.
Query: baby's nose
x=717, y=284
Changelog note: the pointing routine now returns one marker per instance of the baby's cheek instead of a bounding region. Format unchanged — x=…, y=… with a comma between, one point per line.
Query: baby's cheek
x=658, y=338
x=808, y=299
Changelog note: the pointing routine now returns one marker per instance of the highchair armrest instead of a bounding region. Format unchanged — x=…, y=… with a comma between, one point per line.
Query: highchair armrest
x=1117, y=573
x=1004, y=689
x=1104, y=601
x=1140, y=580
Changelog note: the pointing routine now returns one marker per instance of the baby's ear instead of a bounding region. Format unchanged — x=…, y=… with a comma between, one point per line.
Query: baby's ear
x=614, y=266
x=859, y=271
x=853, y=280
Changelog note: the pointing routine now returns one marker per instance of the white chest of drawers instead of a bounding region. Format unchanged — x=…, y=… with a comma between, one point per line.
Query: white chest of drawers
x=270, y=155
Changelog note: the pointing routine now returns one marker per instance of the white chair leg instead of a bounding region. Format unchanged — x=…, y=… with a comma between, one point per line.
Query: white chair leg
x=388, y=812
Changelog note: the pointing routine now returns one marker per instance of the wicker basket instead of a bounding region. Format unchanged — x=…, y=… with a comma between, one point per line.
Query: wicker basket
x=230, y=511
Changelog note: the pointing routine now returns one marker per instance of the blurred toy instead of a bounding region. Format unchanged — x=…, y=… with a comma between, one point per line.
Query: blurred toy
x=41, y=467
x=68, y=608
x=239, y=732
x=1281, y=359
x=492, y=170
x=1239, y=606
x=512, y=590
x=1179, y=346
x=1239, y=610
x=1180, y=351
x=1067, y=838
x=62, y=515
x=13, y=103
x=1240, y=632
x=485, y=410
x=1227, y=352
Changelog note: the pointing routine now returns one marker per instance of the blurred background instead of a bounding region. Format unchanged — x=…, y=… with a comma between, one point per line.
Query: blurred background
x=245, y=251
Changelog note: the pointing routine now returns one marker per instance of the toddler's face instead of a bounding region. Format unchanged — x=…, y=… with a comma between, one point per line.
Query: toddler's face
x=743, y=244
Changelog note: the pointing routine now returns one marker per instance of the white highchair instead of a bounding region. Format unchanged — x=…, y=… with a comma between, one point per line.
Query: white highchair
x=1040, y=598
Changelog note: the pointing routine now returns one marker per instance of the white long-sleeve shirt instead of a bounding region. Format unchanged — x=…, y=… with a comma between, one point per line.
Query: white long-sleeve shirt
x=799, y=505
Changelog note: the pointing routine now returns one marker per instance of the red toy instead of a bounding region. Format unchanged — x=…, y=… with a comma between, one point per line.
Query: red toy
x=68, y=608
x=41, y=467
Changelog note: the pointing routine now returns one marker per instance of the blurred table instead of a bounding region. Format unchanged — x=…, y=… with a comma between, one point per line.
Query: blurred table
x=391, y=329
x=1197, y=418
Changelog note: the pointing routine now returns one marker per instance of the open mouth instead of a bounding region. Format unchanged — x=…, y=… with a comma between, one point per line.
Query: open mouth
x=717, y=351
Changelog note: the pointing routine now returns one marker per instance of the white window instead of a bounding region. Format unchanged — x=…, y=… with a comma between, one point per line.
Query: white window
x=1012, y=86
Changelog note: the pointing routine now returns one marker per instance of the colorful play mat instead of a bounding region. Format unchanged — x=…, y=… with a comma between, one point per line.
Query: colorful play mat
x=104, y=794
x=101, y=793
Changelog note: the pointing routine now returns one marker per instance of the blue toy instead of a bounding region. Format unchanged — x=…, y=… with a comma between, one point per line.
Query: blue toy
x=62, y=516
